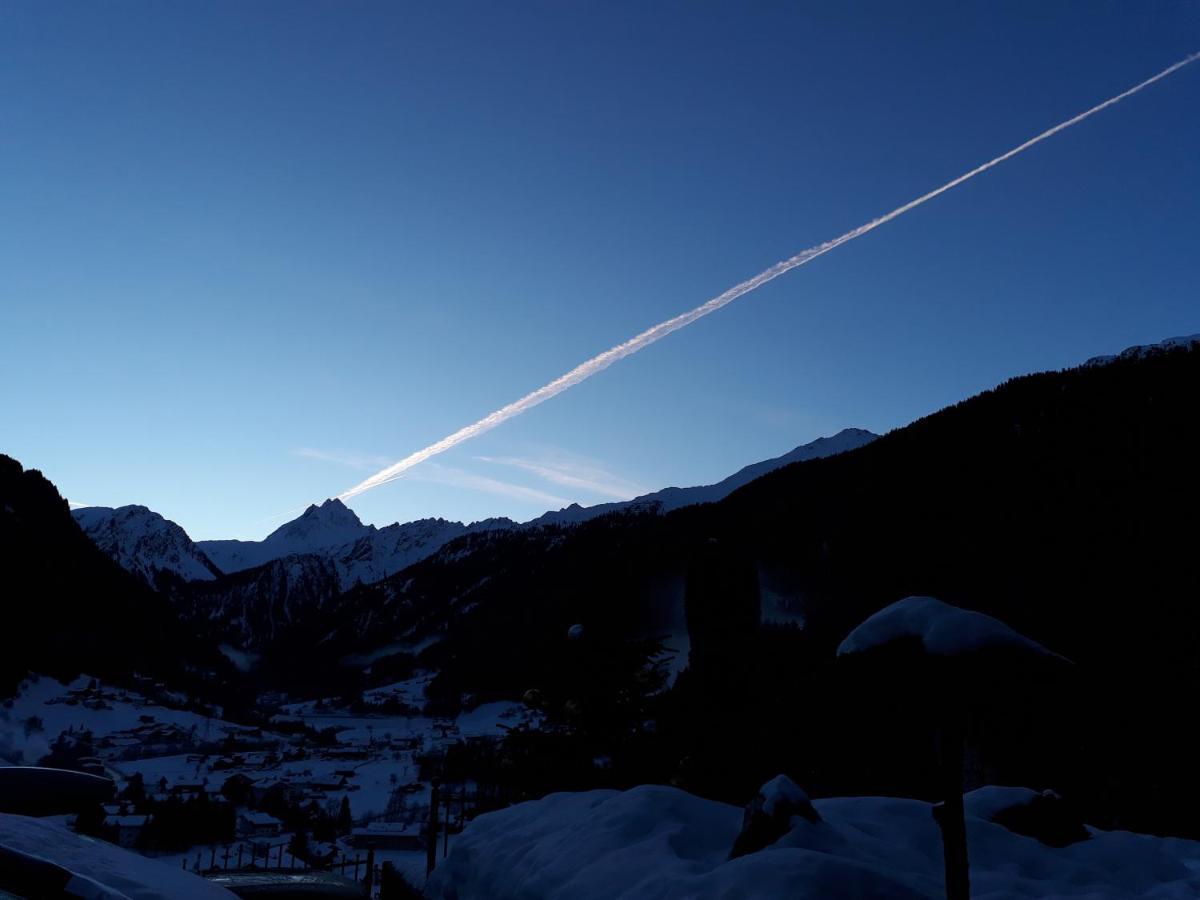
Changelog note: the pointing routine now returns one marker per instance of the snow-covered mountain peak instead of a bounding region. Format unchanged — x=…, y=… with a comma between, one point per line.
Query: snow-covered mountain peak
x=1142, y=350
x=364, y=553
x=319, y=529
x=145, y=543
x=329, y=525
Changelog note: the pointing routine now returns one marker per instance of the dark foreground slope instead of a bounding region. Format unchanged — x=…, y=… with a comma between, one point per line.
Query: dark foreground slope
x=66, y=608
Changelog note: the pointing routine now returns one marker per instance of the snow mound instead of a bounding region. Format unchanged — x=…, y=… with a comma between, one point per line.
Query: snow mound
x=662, y=843
x=942, y=629
x=782, y=793
x=124, y=874
x=1038, y=814
x=770, y=814
x=992, y=800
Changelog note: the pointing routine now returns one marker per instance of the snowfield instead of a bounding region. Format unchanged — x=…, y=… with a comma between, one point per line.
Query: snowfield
x=49, y=703
x=660, y=842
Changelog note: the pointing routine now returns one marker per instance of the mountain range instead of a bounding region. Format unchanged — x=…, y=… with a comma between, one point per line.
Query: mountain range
x=1059, y=502
x=153, y=547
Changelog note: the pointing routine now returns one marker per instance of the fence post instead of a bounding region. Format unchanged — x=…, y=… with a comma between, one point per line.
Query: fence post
x=431, y=838
x=369, y=880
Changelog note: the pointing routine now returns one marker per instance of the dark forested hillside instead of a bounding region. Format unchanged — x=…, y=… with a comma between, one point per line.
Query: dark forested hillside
x=67, y=608
x=1064, y=503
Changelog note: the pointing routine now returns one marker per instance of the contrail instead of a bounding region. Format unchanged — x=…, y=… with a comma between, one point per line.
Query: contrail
x=662, y=329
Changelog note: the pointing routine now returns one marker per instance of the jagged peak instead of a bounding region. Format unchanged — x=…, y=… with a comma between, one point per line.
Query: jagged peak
x=332, y=514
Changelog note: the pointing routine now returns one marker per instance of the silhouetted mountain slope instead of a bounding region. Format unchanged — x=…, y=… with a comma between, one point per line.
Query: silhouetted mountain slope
x=1040, y=501
x=1059, y=501
x=252, y=608
x=673, y=498
x=1063, y=503
x=67, y=607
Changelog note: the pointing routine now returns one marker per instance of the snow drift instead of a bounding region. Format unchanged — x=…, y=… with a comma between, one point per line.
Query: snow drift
x=660, y=842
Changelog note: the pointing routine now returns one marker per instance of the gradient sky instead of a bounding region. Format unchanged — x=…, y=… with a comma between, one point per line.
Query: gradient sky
x=251, y=252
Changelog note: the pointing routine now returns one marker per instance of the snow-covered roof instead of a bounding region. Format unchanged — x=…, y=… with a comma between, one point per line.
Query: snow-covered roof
x=260, y=818
x=942, y=629
x=103, y=870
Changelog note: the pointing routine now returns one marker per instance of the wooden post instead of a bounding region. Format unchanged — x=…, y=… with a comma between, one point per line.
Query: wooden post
x=369, y=880
x=432, y=836
x=953, y=819
x=212, y=863
x=446, y=829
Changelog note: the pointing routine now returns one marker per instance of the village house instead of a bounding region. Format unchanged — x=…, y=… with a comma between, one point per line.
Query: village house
x=127, y=829
x=258, y=825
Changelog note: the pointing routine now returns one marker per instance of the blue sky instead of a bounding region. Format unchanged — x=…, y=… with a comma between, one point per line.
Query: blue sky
x=251, y=252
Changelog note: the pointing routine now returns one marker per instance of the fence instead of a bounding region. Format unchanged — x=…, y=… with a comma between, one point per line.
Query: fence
x=272, y=859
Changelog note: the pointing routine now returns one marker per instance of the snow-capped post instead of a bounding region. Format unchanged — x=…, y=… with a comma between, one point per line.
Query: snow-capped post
x=959, y=656
x=769, y=815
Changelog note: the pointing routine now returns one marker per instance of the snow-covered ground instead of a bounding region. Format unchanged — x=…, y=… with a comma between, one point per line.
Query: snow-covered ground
x=53, y=709
x=659, y=842
x=373, y=762
x=374, y=759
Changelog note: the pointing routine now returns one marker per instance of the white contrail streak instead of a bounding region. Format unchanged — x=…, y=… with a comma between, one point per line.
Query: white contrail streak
x=662, y=329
